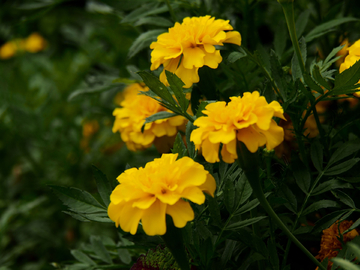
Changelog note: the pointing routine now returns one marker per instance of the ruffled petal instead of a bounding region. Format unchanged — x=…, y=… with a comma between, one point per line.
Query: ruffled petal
x=181, y=213
x=153, y=220
x=251, y=138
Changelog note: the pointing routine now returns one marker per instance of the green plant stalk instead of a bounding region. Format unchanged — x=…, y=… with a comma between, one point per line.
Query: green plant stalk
x=172, y=13
x=173, y=240
x=288, y=9
x=249, y=163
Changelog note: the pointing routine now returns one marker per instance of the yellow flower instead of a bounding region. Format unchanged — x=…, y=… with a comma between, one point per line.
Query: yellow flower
x=149, y=193
x=191, y=45
x=10, y=48
x=35, y=43
x=247, y=119
x=351, y=59
x=330, y=244
x=130, y=118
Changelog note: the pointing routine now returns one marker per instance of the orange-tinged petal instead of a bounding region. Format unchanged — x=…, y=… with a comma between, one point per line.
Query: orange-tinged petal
x=181, y=213
x=153, y=220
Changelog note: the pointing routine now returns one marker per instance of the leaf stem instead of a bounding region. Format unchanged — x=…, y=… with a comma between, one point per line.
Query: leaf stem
x=249, y=163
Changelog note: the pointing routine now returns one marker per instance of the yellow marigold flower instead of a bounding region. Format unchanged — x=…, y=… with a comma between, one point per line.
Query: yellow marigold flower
x=247, y=119
x=35, y=43
x=191, y=45
x=130, y=118
x=351, y=59
x=330, y=245
x=149, y=193
x=10, y=48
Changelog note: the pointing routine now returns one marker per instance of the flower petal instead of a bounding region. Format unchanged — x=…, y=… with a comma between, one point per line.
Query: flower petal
x=153, y=220
x=251, y=138
x=181, y=213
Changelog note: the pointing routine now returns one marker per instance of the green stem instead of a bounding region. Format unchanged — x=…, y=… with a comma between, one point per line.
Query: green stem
x=288, y=9
x=249, y=163
x=174, y=242
x=172, y=13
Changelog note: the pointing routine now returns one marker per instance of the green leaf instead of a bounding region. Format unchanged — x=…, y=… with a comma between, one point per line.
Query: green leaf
x=157, y=116
x=244, y=223
x=329, y=185
x=99, y=249
x=143, y=41
x=228, y=251
x=295, y=66
x=319, y=205
x=347, y=81
x=143, y=11
x=249, y=205
x=243, y=190
x=103, y=185
x=328, y=60
x=301, y=22
x=355, y=225
x=278, y=74
x=190, y=145
x=96, y=89
x=319, y=79
x=229, y=194
x=214, y=210
x=289, y=196
x=345, y=264
x=328, y=220
x=312, y=84
x=301, y=175
x=280, y=38
x=158, y=21
x=124, y=256
x=157, y=87
x=82, y=257
x=273, y=254
x=342, y=167
x=344, y=151
x=234, y=56
x=78, y=200
x=176, y=85
x=324, y=28
x=344, y=198
x=179, y=146
x=317, y=155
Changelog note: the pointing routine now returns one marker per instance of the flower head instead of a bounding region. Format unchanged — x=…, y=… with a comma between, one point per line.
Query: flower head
x=351, y=59
x=34, y=43
x=247, y=119
x=149, y=193
x=330, y=244
x=130, y=118
x=191, y=45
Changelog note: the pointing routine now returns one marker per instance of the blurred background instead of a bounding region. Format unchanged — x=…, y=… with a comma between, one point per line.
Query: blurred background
x=62, y=65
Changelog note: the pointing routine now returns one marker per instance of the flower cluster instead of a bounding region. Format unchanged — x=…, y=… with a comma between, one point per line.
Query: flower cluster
x=130, y=118
x=247, y=119
x=149, y=193
x=330, y=244
x=191, y=45
x=351, y=59
x=33, y=43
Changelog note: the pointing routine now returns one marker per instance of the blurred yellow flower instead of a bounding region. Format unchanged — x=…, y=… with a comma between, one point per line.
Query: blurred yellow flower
x=330, y=244
x=247, y=119
x=130, y=118
x=351, y=59
x=191, y=45
x=34, y=43
x=10, y=48
x=149, y=193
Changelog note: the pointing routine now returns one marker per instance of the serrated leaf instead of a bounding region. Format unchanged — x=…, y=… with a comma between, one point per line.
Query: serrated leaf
x=249, y=206
x=317, y=155
x=228, y=251
x=273, y=255
x=280, y=39
x=278, y=74
x=345, y=264
x=214, y=210
x=82, y=257
x=244, y=223
x=344, y=198
x=295, y=65
x=157, y=116
x=319, y=205
x=289, y=196
x=103, y=185
x=243, y=190
x=342, y=167
x=76, y=216
x=176, y=85
x=143, y=41
x=344, y=151
x=143, y=11
x=347, y=81
x=324, y=27
x=328, y=220
x=312, y=84
x=179, y=146
x=331, y=55
x=78, y=200
x=329, y=185
x=234, y=56
x=319, y=79
x=99, y=249
x=301, y=175
x=95, y=90
x=229, y=195
x=157, y=87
